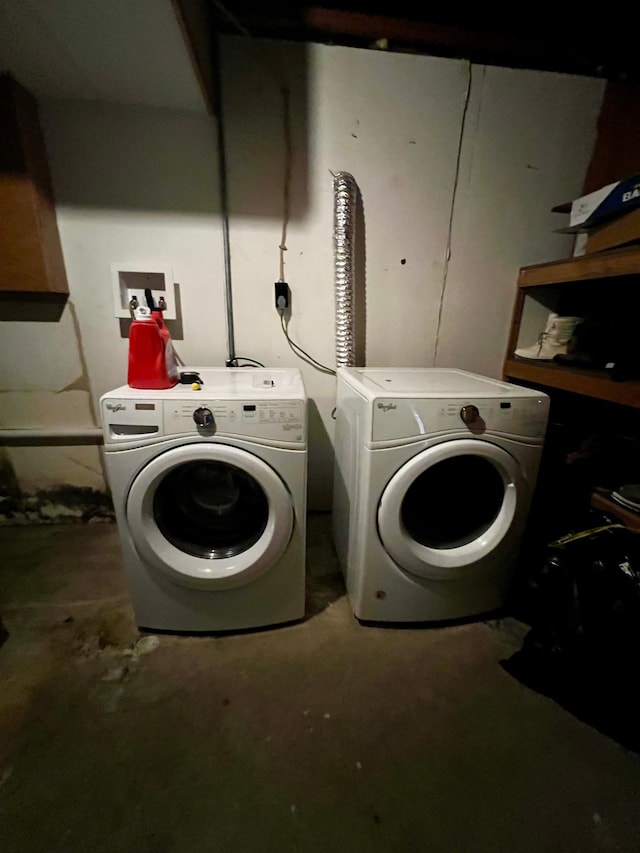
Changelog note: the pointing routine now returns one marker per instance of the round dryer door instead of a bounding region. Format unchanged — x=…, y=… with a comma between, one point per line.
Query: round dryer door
x=210, y=515
x=448, y=507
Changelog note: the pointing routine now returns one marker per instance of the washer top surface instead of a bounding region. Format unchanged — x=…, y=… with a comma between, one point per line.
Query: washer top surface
x=428, y=382
x=227, y=383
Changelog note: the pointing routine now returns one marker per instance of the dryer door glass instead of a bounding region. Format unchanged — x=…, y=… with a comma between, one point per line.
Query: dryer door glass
x=210, y=509
x=449, y=506
x=463, y=494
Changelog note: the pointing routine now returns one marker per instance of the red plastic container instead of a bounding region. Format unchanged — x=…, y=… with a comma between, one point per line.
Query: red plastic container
x=156, y=314
x=152, y=360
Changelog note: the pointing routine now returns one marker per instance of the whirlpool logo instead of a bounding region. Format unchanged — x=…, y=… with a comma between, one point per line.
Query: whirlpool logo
x=387, y=407
x=116, y=407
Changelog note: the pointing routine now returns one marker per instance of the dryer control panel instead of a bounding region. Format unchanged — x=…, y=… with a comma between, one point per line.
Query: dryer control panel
x=397, y=418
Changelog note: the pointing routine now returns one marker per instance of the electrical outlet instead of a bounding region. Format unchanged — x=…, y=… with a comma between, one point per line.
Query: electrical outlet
x=282, y=296
x=129, y=280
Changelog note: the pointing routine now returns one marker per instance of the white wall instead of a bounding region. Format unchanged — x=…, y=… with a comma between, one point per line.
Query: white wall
x=138, y=183
x=527, y=141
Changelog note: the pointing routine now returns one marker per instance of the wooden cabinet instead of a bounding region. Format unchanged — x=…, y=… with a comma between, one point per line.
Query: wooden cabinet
x=30, y=253
x=606, y=281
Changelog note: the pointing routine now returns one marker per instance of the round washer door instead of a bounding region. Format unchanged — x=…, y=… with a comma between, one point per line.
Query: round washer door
x=210, y=515
x=448, y=507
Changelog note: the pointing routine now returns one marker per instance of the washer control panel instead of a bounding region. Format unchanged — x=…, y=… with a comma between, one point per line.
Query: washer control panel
x=270, y=419
x=273, y=420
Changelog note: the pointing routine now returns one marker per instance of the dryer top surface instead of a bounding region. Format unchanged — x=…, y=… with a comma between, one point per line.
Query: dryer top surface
x=433, y=382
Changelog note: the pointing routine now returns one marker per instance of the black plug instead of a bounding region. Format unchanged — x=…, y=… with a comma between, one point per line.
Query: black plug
x=283, y=295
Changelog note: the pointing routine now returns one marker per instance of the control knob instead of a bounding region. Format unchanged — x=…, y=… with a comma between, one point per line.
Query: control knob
x=469, y=414
x=203, y=417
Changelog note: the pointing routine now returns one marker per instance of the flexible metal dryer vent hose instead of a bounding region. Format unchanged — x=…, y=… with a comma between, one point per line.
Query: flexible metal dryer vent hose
x=345, y=197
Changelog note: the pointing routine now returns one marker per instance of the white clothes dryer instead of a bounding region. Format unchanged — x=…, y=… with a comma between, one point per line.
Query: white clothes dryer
x=209, y=490
x=435, y=470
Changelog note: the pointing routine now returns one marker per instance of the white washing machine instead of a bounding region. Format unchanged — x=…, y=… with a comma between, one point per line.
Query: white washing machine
x=434, y=474
x=209, y=489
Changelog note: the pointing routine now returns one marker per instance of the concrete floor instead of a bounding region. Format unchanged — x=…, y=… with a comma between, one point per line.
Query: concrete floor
x=322, y=736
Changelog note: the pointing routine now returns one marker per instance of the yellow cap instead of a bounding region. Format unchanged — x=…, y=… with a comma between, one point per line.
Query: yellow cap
x=195, y=386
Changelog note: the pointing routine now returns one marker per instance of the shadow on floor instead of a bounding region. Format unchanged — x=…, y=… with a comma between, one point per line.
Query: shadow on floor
x=321, y=592
x=324, y=579
x=598, y=690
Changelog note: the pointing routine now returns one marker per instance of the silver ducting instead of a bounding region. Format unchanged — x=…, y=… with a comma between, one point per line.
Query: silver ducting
x=345, y=197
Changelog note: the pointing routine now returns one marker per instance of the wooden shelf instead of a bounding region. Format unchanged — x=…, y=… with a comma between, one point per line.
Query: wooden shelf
x=610, y=264
x=592, y=270
x=591, y=383
x=627, y=517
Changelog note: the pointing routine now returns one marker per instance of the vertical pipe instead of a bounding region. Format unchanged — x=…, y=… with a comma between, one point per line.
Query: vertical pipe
x=345, y=198
x=224, y=204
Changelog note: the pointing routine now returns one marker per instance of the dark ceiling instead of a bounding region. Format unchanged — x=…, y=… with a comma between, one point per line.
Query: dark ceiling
x=582, y=42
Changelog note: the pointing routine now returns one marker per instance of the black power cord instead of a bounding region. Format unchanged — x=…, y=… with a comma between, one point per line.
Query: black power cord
x=297, y=350
x=233, y=362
